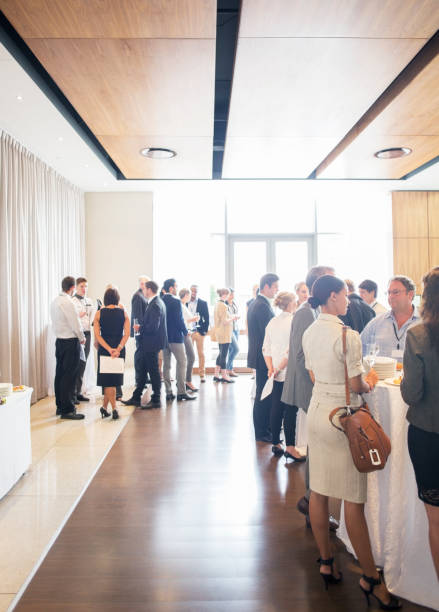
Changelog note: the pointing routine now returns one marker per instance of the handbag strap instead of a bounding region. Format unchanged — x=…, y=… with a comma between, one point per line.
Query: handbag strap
x=346, y=379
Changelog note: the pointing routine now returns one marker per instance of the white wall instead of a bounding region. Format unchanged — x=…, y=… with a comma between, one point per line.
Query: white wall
x=119, y=230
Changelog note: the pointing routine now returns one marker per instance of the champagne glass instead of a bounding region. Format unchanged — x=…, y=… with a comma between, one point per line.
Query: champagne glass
x=136, y=327
x=372, y=351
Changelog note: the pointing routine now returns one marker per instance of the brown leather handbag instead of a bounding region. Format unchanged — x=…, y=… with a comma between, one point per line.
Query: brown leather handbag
x=370, y=445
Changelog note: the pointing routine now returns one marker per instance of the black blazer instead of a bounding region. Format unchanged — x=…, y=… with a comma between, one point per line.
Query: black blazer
x=203, y=323
x=359, y=313
x=175, y=324
x=138, y=307
x=153, y=332
x=259, y=314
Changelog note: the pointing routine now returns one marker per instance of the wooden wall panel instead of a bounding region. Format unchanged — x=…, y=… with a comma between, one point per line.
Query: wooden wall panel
x=410, y=257
x=433, y=252
x=410, y=214
x=433, y=214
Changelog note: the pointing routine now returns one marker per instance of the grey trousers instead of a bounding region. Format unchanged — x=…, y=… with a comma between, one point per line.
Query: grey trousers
x=177, y=349
x=190, y=357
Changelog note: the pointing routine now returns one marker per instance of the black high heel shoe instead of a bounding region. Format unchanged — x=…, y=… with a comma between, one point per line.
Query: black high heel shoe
x=277, y=451
x=115, y=415
x=394, y=603
x=104, y=413
x=296, y=459
x=329, y=578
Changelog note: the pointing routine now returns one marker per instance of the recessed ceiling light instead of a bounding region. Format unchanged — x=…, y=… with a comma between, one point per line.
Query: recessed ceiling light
x=393, y=152
x=19, y=98
x=85, y=165
x=158, y=153
x=60, y=138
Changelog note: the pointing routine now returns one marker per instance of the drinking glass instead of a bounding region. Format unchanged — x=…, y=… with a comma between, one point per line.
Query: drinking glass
x=136, y=327
x=372, y=351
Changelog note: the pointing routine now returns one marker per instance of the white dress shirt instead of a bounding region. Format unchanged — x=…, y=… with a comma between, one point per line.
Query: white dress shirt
x=186, y=316
x=192, y=306
x=84, y=305
x=65, y=319
x=277, y=340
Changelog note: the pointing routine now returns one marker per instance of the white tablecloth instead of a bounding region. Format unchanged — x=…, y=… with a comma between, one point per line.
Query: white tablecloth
x=396, y=517
x=15, y=440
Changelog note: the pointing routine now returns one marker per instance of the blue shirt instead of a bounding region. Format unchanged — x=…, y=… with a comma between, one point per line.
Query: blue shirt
x=383, y=330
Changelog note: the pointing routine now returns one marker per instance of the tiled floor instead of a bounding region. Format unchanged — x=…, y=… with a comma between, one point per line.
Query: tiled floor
x=65, y=457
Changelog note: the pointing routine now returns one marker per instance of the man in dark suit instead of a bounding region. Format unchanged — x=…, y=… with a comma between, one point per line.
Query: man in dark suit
x=153, y=338
x=177, y=330
x=259, y=314
x=139, y=303
x=196, y=305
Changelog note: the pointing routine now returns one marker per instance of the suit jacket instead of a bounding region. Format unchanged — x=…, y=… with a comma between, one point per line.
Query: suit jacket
x=175, y=324
x=359, y=313
x=298, y=387
x=138, y=307
x=153, y=332
x=203, y=323
x=259, y=314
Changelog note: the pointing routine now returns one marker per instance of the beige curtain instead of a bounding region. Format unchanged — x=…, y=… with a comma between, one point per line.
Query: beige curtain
x=41, y=241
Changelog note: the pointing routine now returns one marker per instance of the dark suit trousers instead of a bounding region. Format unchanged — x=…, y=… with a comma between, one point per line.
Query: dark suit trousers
x=282, y=412
x=139, y=365
x=67, y=354
x=261, y=408
x=150, y=360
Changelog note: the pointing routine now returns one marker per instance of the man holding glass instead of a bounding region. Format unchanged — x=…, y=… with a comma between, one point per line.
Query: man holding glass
x=388, y=331
x=84, y=306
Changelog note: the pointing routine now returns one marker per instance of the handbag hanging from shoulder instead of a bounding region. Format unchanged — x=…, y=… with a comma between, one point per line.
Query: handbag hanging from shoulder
x=370, y=445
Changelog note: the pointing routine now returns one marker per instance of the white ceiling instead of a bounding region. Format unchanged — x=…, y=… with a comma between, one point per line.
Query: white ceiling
x=41, y=128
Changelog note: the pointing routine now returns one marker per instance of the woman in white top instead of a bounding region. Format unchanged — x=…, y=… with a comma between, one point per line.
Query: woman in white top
x=332, y=471
x=275, y=351
x=190, y=321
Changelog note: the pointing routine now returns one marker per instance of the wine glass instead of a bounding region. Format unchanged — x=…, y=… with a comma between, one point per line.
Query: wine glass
x=372, y=351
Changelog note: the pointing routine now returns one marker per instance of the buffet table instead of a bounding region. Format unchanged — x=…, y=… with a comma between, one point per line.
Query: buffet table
x=15, y=440
x=396, y=517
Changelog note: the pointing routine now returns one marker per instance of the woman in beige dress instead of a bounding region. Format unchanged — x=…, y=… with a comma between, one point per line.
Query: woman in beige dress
x=332, y=471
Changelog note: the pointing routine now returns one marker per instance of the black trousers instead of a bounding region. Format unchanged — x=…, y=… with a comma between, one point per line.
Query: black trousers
x=221, y=360
x=282, y=412
x=261, y=408
x=82, y=364
x=150, y=360
x=139, y=366
x=67, y=352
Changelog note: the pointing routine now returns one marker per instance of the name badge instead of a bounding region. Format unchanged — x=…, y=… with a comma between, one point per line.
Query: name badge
x=397, y=354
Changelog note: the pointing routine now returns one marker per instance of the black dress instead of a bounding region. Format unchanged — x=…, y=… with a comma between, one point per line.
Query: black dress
x=111, y=323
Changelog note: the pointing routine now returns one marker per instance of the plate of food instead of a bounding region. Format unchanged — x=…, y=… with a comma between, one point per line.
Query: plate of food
x=18, y=388
x=395, y=382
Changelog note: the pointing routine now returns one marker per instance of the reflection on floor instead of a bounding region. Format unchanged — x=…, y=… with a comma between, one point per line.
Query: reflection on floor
x=188, y=514
x=65, y=456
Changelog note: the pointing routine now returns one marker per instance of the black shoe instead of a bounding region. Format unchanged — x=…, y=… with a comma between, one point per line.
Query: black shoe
x=103, y=412
x=115, y=415
x=151, y=404
x=330, y=578
x=226, y=380
x=202, y=380
x=267, y=439
x=192, y=390
x=394, y=603
x=131, y=402
x=297, y=460
x=303, y=506
x=185, y=397
x=170, y=397
x=76, y=402
x=72, y=416
x=82, y=398
x=277, y=451
x=217, y=379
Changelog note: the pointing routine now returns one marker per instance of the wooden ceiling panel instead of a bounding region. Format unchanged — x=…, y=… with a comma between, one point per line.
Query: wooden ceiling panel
x=410, y=120
x=193, y=160
x=339, y=18
x=137, y=86
x=112, y=18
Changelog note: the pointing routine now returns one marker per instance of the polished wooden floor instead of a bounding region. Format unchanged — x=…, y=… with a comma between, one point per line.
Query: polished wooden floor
x=187, y=514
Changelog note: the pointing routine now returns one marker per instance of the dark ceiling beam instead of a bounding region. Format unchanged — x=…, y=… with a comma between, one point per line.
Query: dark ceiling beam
x=227, y=28
x=428, y=52
x=30, y=64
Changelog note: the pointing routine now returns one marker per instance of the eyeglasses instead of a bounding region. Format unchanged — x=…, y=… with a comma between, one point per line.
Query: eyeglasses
x=395, y=292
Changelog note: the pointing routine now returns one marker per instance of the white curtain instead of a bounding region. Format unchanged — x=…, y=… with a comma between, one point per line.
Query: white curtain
x=42, y=239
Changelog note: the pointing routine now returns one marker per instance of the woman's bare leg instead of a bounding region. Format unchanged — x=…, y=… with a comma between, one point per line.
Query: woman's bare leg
x=319, y=514
x=433, y=533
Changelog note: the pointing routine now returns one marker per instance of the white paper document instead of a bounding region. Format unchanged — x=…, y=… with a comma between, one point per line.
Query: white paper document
x=111, y=366
x=268, y=388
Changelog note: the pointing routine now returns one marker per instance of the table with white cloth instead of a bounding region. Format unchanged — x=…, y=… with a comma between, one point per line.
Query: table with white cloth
x=395, y=515
x=15, y=439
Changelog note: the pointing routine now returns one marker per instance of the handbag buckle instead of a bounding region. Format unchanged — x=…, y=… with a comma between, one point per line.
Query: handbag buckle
x=374, y=456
